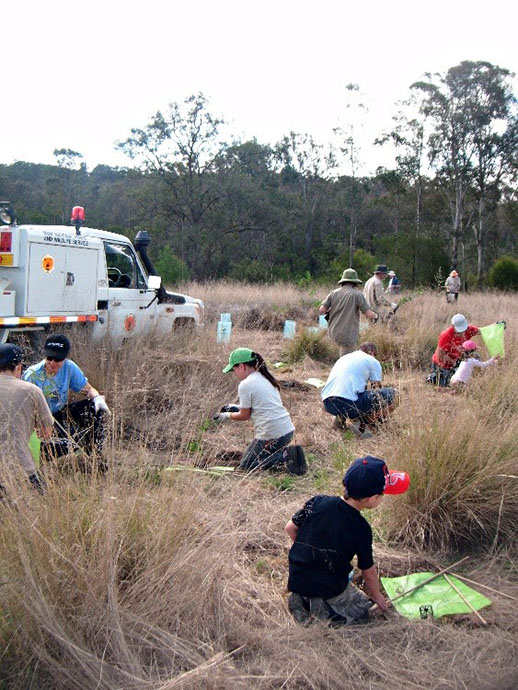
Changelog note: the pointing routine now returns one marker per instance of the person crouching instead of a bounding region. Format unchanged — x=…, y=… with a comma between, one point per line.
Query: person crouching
x=78, y=425
x=327, y=532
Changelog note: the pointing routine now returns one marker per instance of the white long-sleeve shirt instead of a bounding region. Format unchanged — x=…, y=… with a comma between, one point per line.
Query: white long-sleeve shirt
x=463, y=373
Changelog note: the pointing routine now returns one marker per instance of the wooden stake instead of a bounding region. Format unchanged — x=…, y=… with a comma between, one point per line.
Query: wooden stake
x=424, y=582
x=468, y=604
x=479, y=584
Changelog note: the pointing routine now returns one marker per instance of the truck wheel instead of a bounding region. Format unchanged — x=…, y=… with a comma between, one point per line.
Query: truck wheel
x=31, y=343
x=184, y=324
x=37, y=341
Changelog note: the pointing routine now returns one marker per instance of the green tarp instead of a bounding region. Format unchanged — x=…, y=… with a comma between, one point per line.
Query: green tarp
x=35, y=445
x=438, y=594
x=493, y=337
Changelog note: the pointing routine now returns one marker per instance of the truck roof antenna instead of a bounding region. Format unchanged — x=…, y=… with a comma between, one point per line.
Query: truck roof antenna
x=78, y=218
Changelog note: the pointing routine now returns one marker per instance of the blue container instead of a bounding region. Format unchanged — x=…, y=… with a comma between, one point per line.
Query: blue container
x=225, y=317
x=289, y=328
x=322, y=321
x=224, y=331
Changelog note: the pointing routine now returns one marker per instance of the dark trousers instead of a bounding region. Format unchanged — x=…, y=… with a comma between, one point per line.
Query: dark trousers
x=77, y=427
x=440, y=376
x=264, y=455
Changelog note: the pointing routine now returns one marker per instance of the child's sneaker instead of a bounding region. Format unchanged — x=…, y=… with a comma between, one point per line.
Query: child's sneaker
x=296, y=460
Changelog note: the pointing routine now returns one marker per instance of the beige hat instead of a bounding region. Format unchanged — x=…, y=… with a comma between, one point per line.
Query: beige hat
x=349, y=276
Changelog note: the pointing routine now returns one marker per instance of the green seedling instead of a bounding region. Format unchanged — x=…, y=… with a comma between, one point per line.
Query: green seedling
x=281, y=483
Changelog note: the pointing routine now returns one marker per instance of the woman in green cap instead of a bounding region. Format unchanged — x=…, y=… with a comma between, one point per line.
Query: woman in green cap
x=260, y=400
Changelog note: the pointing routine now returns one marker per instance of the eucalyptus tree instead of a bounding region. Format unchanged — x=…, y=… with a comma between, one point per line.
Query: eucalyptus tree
x=408, y=138
x=179, y=148
x=248, y=220
x=306, y=166
x=472, y=144
x=349, y=147
x=70, y=181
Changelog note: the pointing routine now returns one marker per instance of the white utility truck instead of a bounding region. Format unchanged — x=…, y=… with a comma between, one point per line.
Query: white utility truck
x=59, y=274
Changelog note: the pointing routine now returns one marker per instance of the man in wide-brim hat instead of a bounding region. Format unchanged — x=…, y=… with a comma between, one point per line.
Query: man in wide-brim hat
x=374, y=293
x=342, y=308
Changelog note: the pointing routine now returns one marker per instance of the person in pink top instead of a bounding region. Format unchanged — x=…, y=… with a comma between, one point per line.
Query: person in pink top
x=469, y=362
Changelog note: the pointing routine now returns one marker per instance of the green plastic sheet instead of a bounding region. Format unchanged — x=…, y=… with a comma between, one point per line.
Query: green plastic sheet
x=438, y=594
x=493, y=337
x=35, y=445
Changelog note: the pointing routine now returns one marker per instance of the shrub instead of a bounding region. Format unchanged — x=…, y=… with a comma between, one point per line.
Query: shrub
x=363, y=263
x=504, y=274
x=314, y=345
x=171, y=268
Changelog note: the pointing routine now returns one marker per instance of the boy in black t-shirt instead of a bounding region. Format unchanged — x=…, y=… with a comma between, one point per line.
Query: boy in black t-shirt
x=327, y=533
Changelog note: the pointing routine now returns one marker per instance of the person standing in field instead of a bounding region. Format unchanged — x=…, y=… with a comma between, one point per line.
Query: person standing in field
x=342, y=308
x=452, y=286
x=374, y=293
x=394, y=285
x=22, y=410
x=260, y=400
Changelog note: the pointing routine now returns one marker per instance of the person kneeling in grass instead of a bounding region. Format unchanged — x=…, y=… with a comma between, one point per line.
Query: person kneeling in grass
x=260, y=400
x=449, y=350
x=80, y=424
x=327, y=533
x=470, y=361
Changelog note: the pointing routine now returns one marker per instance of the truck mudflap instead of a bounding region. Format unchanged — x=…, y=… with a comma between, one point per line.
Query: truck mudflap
x=20, y=321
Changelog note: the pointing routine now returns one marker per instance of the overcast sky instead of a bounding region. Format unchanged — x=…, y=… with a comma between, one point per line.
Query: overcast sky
x=80, y=75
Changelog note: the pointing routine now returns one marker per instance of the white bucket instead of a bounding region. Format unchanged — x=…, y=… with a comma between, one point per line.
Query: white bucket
x=450, y=297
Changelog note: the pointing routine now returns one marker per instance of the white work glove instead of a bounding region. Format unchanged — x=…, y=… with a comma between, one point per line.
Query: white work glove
x=393, y=305
x=100, y=404
x=221, y=416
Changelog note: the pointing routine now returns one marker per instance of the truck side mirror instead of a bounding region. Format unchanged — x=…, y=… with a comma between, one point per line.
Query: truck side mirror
x=154, y=282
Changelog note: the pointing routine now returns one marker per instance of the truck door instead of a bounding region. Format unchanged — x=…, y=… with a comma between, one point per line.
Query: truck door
x=128, y=294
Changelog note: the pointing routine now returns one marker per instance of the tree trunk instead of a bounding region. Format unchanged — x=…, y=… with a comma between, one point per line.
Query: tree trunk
x=457, y=222
x=352, y=235
x=480, y=232
x=419, y=197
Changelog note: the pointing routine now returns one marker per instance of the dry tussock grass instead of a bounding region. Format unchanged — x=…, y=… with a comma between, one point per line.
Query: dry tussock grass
x=255, y=306
x=176, y=579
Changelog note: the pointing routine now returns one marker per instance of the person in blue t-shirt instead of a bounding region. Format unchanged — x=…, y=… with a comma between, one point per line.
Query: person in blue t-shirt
x=81, y=423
